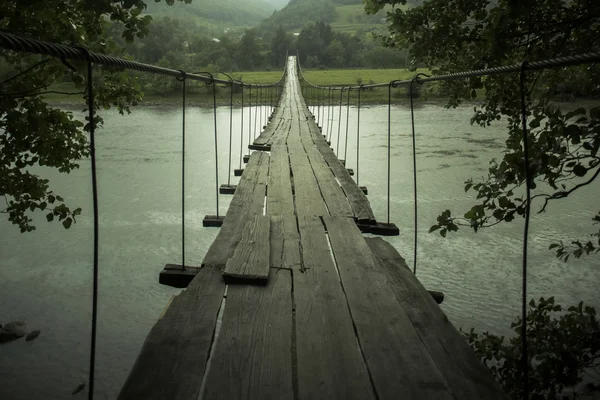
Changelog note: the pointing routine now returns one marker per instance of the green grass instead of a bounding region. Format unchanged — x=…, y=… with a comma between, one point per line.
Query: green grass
x=339, y=77
x=258, y=77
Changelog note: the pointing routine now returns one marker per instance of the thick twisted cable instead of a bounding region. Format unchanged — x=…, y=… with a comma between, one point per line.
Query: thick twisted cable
x=14, y=42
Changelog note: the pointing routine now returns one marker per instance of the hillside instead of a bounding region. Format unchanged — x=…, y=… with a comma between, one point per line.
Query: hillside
x=217, y=14
x=278, y=4
x=343, y=15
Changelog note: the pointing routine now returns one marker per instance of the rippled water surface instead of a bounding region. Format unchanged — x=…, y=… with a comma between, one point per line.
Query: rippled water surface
x=45, y=276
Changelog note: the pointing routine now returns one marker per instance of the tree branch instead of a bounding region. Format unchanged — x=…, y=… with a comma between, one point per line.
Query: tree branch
x=563, y=194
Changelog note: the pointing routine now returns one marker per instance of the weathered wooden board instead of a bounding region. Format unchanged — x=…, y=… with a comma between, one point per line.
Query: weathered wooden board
x=330, y=364
x=330, y=189
x=280, y=199
x=308, y=199
x=248, y=200
x=250, y=259
x=357, y=199
x=267, y=134
x=252, y=357
x=466, y=376
x=173, y=359
x=387, y=337
x=285, y=242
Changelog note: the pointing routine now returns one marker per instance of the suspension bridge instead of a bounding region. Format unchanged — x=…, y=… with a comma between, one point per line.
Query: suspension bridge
x=292, y=300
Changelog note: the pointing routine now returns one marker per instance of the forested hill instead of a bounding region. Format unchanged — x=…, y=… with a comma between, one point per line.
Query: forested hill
x=343, y=15
x=217, y=14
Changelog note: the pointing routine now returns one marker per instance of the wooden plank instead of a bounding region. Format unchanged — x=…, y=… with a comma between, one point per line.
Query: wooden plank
x=308, y=199
x=330, y=189
x=252, y=357
x=330, y=364
x=267, y=134
x=387, y=337
x=280, y=199
x=466, y=376
x=357, y=199
x=248, y=200
x=285, y=242
x=250, y=259
x=173, y=359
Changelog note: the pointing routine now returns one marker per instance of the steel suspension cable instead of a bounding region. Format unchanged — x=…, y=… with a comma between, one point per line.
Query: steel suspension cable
x=242, y=130
x=318, y=99
x=358, y=137
x=230, y=128
x=271, y=104
x=332, y=106
x=328, y=113
x=528, y=181
x=256, y=112
x=250, y=120
x=214, y=87
x=337, y=145
x=92, y=125
x=183, y=93
x=389, y=143
x=414, y=148
x=347, y=124
x=260, y=111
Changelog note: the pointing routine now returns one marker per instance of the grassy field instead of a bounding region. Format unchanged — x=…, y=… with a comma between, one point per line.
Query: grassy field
x=260, y=77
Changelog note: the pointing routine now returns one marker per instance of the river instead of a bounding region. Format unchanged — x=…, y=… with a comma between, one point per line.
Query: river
x=46, y=275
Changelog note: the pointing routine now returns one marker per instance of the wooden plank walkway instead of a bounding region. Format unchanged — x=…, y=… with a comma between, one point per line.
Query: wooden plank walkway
x=293, y=302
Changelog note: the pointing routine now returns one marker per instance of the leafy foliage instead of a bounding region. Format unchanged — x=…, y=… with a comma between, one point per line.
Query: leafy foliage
x=563, y=145
x=562, y=346
x=33, y=133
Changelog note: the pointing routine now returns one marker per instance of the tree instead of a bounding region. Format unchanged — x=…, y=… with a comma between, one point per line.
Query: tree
x=473, y=34
x=335, y=54
x=281, y=44
x=563, y=344
x=248, y=54
x=33, y=133
x=383, y=57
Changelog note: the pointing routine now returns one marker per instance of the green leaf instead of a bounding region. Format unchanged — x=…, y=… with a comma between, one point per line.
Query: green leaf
x=580, y=170
x=504, y=202
x=67, y=223
x=50, y=217
x=471, y=214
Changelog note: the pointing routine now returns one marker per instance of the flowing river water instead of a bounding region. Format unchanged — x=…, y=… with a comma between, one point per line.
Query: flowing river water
x=46, y=276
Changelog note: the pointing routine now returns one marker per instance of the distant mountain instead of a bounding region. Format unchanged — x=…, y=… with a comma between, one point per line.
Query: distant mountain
x=217, y=14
